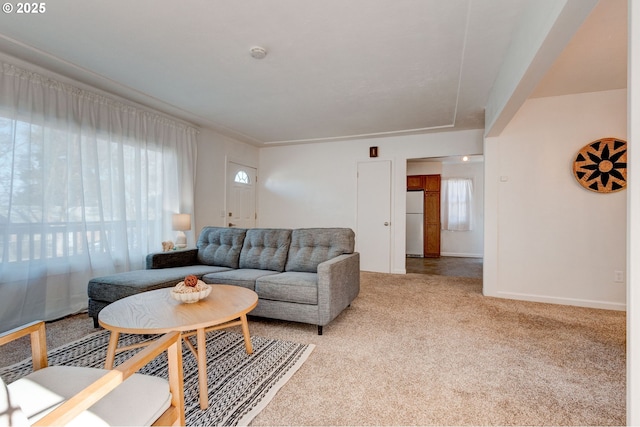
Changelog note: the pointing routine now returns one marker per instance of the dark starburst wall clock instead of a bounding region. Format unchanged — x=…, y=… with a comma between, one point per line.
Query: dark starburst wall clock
x=601, y=165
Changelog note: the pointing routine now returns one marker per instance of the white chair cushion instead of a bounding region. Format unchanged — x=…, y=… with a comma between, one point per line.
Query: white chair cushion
x=140, y=400
x=10, y=412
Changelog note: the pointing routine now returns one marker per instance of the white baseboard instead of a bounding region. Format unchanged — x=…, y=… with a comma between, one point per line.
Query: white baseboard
x=461, y=255
x=606, y=305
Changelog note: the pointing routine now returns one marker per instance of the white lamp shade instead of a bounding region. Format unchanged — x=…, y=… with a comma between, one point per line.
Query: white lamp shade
x=181, y=222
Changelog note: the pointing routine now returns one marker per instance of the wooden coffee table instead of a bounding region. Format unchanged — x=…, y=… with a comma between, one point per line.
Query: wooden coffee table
x=156, y=312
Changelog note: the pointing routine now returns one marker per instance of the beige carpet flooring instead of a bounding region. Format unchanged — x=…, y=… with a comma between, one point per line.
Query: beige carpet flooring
x=431, y=350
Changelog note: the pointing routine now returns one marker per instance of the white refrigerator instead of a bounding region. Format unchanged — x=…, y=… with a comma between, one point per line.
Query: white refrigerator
x=415, y=223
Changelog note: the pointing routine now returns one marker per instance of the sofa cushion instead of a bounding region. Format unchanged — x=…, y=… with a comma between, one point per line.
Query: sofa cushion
x=265, y=249
x=311, y=246
x=220, y=246
x=293, y=286
x=116, y=286
x=243, y=277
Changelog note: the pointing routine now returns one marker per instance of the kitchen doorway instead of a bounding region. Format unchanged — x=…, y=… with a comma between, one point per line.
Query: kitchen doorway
x=461, y=252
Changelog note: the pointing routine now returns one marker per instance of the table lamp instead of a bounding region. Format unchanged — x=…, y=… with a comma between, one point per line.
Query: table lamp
x=181, y=223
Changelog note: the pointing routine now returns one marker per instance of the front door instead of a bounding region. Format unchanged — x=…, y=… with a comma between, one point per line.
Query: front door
x=373, y=236
x=241, y=196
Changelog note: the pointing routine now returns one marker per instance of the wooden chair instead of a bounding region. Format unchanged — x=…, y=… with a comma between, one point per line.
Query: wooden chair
x=61, y=395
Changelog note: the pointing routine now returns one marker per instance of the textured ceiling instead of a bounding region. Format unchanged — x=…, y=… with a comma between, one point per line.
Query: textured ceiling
x=334, y=69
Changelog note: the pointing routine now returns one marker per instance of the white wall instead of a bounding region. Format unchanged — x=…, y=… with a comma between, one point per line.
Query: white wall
x=546, y=238
x=310, y=185
x=214, y=150
x=314, y=185
x=424, y=167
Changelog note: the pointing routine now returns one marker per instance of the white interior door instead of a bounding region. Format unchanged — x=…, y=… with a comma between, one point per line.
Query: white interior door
x=373, y=238
x=241, y=196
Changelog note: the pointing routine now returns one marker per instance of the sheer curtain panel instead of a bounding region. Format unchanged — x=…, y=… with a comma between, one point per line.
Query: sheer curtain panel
x=456, y=204
x=88, y=184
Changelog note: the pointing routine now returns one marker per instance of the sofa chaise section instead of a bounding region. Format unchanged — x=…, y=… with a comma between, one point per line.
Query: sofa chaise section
x=107, y=289
x=220, y=252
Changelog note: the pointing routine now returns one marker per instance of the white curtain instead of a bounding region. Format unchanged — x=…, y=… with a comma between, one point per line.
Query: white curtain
x=88, y=184
x=456, y=204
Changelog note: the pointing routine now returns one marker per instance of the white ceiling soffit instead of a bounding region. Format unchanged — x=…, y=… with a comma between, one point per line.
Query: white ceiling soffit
x=334, y=69
x=596, y=57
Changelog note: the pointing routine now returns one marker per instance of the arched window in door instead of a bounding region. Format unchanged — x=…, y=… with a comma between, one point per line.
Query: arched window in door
x=242, y=177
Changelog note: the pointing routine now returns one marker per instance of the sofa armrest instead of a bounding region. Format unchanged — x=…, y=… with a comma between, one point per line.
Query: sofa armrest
x=172, y=259
x=338, y=285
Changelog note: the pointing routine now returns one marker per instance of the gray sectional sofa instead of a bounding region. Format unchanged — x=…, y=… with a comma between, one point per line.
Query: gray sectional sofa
x=307, y=275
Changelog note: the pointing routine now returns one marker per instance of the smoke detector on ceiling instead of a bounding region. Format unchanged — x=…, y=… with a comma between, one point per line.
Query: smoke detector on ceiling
x=258, y=52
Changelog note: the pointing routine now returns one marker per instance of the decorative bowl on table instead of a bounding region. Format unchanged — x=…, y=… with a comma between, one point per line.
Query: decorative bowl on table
x=190, y=290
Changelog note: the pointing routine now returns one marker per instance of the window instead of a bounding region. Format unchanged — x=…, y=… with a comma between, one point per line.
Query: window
x=88, y=184
x=69, y=192
x=457, y=202
x=242, y=178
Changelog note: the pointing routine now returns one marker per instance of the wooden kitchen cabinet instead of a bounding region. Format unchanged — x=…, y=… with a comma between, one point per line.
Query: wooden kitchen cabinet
x=430, y=184
x=415, y=182
x=432, y=224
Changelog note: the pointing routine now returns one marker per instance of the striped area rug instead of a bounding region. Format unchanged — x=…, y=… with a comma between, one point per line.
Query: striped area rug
x=240, y=385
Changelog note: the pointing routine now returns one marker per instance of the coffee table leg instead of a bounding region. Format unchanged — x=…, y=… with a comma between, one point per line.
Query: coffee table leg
x=111, y=350
x=202, y=368
x=245, y=332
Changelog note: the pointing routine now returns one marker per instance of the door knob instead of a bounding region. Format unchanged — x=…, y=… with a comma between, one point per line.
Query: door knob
x=386, y=223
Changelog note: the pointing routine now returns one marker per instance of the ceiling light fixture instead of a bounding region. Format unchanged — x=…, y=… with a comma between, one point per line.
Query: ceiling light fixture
x=258, y=52
x=465, y=159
